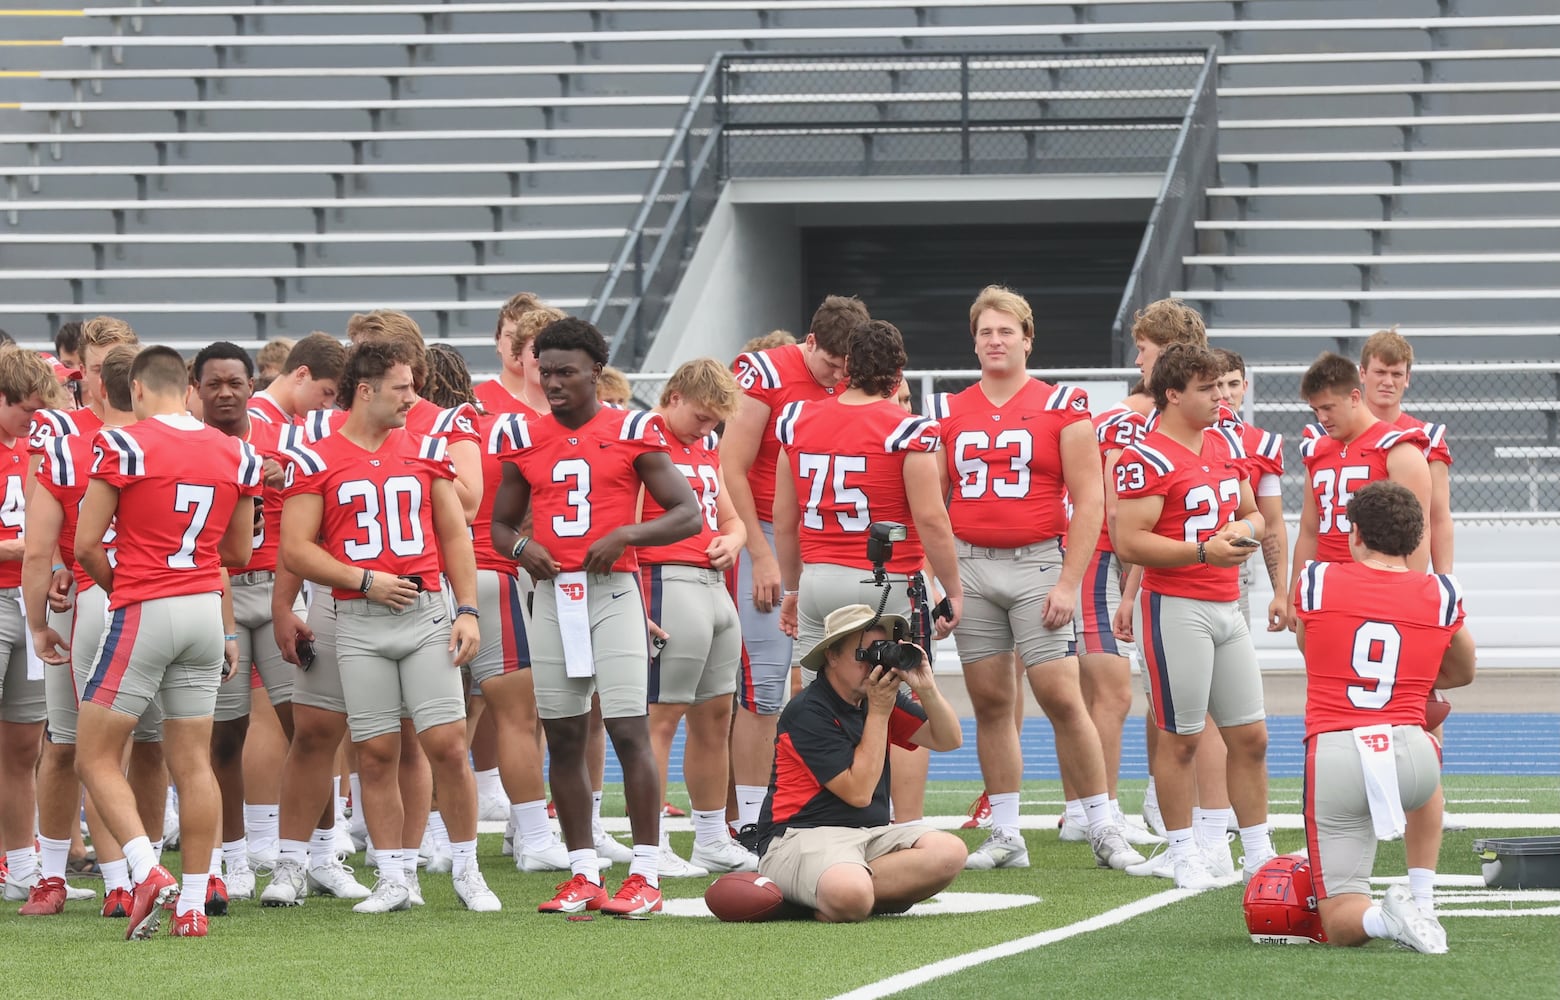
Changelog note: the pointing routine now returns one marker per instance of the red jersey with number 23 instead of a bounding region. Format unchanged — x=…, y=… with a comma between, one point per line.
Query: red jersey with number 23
x=1334, y=471
x=700, y=465
x=583, y=480
x=1201, y=492
x=1373, y=643
x=775, y=378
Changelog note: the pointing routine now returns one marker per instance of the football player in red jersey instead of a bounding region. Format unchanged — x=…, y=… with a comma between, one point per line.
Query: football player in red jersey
x=308, y=381
x=1187, y=515
x=517, y=388
x=579, y=470
x=770, y=379
x=391, y=520
x=693, y=668
x=1376, y=636
x=179, y=497
x=1014, y=445
x=1265, y=463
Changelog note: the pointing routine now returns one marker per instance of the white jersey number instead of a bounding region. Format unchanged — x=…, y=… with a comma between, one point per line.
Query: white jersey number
x=13, y=509
x=1377, y=646
x=1334, y=489
x=978, y=468
x=825, y=471
x=576, y=473
x=197, y=502
x=706, y=486
x=393, y=513
x=1202, y=504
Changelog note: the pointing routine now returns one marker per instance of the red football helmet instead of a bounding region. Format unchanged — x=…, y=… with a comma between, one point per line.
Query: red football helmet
x=1280, y=903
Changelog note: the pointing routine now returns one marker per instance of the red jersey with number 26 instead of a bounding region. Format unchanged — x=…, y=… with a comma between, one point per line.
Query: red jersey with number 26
x=178, y=482
x=1373, y=643
x=1201, y=492
x=847, y=463
x=700, y=465
x=378, y=511
x=774, y=377
x=1005, y=462
x=1334, y=471
x=583, y=480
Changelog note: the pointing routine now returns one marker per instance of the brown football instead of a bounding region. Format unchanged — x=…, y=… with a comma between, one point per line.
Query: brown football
x=743, y=897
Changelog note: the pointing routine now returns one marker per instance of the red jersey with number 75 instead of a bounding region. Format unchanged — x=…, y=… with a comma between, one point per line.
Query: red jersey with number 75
x=378, y=505
x=1201, y=492
x=583, y=480
x=699, y=463
x=1373, y=643
x=178, y=483
x=1334, y=471
x=775, y=378
x=847, y=465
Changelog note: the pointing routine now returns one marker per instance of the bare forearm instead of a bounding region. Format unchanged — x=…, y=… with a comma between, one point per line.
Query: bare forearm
x=460, y=561
x=856, y=785
x=1146, y=548
x=94, y=559
x=1082, y=536
x=311, y=562
x=942, y=731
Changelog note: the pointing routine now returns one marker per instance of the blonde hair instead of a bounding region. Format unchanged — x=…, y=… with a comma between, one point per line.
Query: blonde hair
x=612, y=386
x=706, y=383
x=274, y=355
x=24, y=373
x=1169, y=321
x=105, y=332
x=511, y=311
x=398, y=328
x=1004, y=300
x=1389, y=347
x=769, y=341
x=529, y=324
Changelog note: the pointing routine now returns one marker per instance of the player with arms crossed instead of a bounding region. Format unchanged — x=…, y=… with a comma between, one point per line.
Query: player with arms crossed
x=1185, y=513
x=1376, y=635
x=180, y=498
x=581, y=467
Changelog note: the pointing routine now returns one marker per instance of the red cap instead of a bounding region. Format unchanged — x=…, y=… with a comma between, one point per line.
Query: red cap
x=61, y=372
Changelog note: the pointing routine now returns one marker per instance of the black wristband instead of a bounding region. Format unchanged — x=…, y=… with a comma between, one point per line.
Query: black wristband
x=367, y=582
x=466, y=609
x=519, y=546
x=1202, y=552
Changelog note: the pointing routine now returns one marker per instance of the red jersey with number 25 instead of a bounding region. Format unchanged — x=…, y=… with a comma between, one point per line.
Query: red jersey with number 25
x=178, y=482
x=847, y=463
x=1373, y=643
x=583, y=480
x=775, y=378
x=1201, y=492
x=378, y=511
x=1334, y=471
x=1005, y=462
x=699, y=463
x=1115, y=429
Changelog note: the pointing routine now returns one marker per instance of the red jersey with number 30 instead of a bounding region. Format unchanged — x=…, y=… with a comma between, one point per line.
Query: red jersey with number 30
x=847, y=464
x=178, y=482
x=1115, y=429
x=378, y=512
x=1005, y=462
x=700, y=465
x=775, y=378
x=583, y=480
x=1373, y=643
x=1334, y=471
x=1201, y=492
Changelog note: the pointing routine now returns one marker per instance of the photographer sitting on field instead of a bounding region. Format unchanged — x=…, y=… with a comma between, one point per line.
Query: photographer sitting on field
x=824, y=832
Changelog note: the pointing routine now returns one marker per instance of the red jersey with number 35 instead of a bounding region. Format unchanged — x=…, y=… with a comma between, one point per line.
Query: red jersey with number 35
x=699, y=463
x=583, y=480
x=1201, y=492
x=378, y=505
x=775, y=378
x=178, y=482
x=847, y=464
x=1334, y=471
x=1373, y=643
x=1115, y=429
x=1005, y=462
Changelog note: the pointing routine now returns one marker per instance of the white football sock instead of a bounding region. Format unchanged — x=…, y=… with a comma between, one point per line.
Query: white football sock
x=530, y=818
x=1421, y=885
x=235, y=855
x=1375, y=923
x=116, y=875
x=750, y=801
x=322, y=847
x=709, y=827
x=1096, y=812
x=1075, y=813
x=1256, y=841
x=595, y=808
x=53, y=855
x=647, y=862
x=142, y=857
x=441, y=836
x=584, y=863
x=22, y=863
x=1004, y=812
x=192, y=893
x=355, y=785
x=260, y=825
x=1182, y=843
x=1212, y=826
x=464, y=854
x=215, y=867
x=489, y=785
x=157, y=850
x=297, y=851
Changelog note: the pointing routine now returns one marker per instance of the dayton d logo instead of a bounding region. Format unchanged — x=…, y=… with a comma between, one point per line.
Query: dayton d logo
x=1376, y=742
x=573, y=591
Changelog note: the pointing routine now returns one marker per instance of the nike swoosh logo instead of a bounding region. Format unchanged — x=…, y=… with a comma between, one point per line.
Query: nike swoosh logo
x=616, y=596
x=438, y=619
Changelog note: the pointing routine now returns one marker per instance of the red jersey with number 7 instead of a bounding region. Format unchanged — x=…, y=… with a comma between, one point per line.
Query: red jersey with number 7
x=1373, y=643
x=583, y=480
x=178, y=483
x=1201, y=493
x=775, y=378
x=1334, y=471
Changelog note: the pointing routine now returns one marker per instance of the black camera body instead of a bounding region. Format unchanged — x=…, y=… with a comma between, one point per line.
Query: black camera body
x=890, y=655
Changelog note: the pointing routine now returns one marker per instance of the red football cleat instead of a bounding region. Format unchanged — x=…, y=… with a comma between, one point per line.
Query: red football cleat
x=575, y=896
x=637, y=898
x=216, y=897
x=191, y=924
x=46, y=898
x=669, y=810
x=980, y=814
x=552, y=813
x=158, y=888
x=117, y=903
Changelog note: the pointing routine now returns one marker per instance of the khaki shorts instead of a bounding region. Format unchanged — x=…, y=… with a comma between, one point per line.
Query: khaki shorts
x=1197, y=661
x=826, y=587
x=618, y=644
x=89, y=621
x=799, y=858
x=1098, y=601
x=704, y=644
x=397, y=663
x=168, y=648
x=22, y=699
x=504, y=648
x=1005, y=591
x=765, y=666
x=1339, y=835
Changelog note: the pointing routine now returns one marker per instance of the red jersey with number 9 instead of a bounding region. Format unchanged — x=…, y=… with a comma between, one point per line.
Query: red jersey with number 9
x=700, y=465
x=1334, y=471
x=847, y=464
x=378, y=512
x=178, y=482
x=1005, y=462
x=1201, y=492
x=1373, y=643
x=583, y=480
x=775, y=378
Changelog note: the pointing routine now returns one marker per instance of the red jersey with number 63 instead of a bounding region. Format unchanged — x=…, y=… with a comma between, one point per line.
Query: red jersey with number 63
x=178, y=482
x=1115, y=429
x=1373, y=643
x=583, y=480
x=1005, y=462
x=699, y=463
x=847, y=463
x=1201, y=492
x=378, y=512
x=775, y=378
x=1334, y=471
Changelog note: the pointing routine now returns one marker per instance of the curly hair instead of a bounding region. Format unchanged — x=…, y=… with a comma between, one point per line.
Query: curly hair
x=370, y=360
x=835, y=321
x=528, y=326
x=397, y=327
x=774, y=338
x=1169, y=321
x=875, y=358
x=1177, y=367
x=449, y=380
x=571, y=334
x=1388, y=518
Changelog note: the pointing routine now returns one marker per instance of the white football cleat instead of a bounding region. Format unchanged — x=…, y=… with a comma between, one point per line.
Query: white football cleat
x=1153, y=818
x=386, y=897
x=610, y=847
x=508, y=849
x=288, y=885
x=1409, y=926
x=1072, y=833
x=1111, y=850
x=999, y=851
x=1220, y=863
x=1251, y=864
x=493, y=808
x=672, y=865
x=240, y=882
x=1191, y=872
x=1135, y=831
x=724, y=856
x=414, y=888
x=552, y=858
x=77, y=894
x=335, y=879
x=1158, y=865
x=434, y=856
x=473, y=892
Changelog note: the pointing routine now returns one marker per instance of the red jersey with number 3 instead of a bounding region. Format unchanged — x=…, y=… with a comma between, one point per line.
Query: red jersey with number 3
x=583, y=480
x=847, y=464
x=699, y=463
x=492, y=479
x=1373, y=643
x=1334, y=471
x=13, y=510
x=1005, y=462
x=775, y=378
x=1201, y=492
x=1115, y=429
x=378, y=505
x=178, y=482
